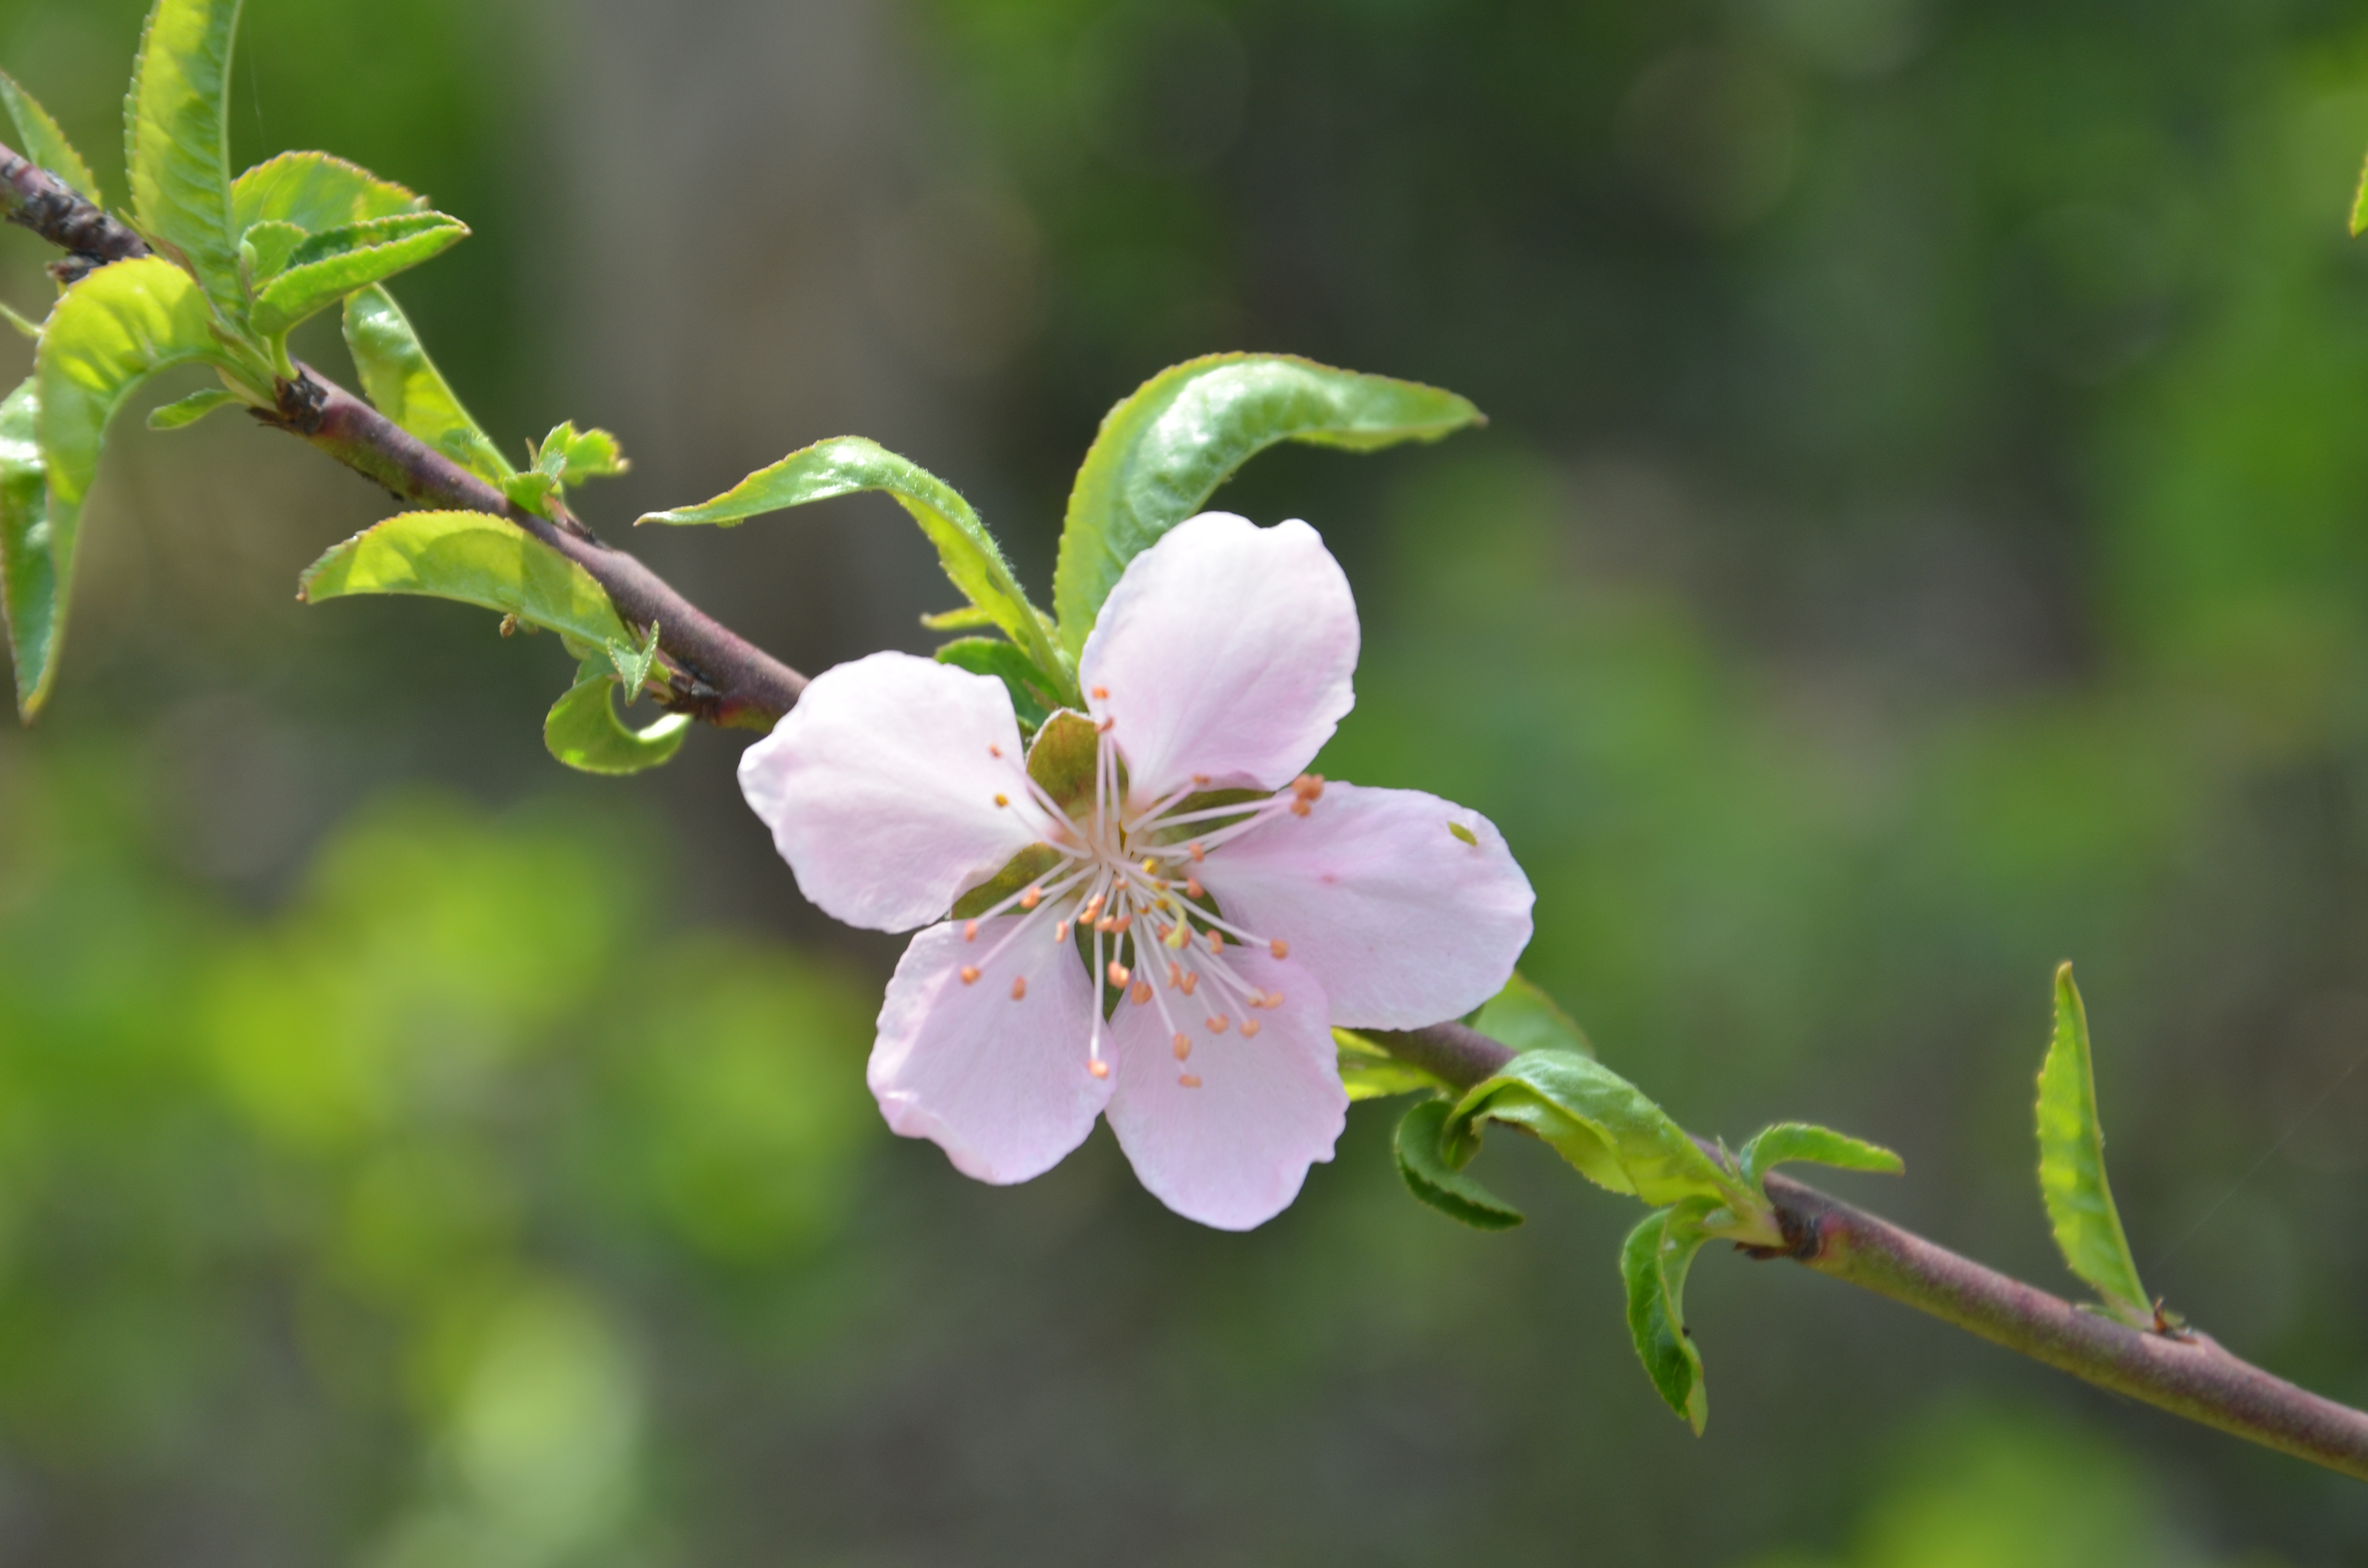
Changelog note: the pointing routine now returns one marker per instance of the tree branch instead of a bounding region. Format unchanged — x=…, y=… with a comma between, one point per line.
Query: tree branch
x=717, y=675
x=2187, y=1373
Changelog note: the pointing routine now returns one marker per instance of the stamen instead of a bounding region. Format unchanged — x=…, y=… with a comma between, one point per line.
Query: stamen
x=1061, y=932
x=1300, y=807
x=994, y=750
x=1175, y=976
x=1216, y=940
x=1151, y=867
x=1108, y=925
x=1308, y=786
x=1217, y=1024
x=1183, y=1047
x=1142, y=992
x=1192, y=888
x=1019, y=991
x=1190, y=1080
x=1002, y=800
x=1200, y=778
x=1118, y=973
x=1123, y=920
x=1097, y=1067
x=970, y=930
x=1032, y=898
x=1191, y=984
x=1194, y=850
x=1249, y=1028
x=1101, y=692
x=1279, y=948
x=970, y=975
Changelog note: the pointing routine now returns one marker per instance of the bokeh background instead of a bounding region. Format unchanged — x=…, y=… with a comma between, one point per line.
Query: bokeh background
x=1920, y=539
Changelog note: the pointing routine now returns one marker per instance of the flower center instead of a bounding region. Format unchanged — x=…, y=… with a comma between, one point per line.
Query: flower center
x=1127, y=891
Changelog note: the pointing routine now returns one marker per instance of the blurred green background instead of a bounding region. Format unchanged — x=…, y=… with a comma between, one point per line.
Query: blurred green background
x=1919, y=540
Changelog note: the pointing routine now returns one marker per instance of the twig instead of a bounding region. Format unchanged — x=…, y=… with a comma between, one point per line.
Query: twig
x=721, y=678
x=2187, y=1373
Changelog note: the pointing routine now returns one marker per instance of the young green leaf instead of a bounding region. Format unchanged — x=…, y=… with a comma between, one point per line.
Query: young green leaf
x=39, y=138
x=29, y=577
x=632, y=662
x=1653, y=1263
x=2072, y=1166
x=183, y=412
x=327, y=267
x=477, y=559
x=584, y=731
x=1163, y=451
x=1599, y=1122
x=316, y=193
x=848, y=464
x=963, y=617
x=108, y=334
x=571, y=458
x=1019, y=673
x=403, y=384
x=264, y=247
x=2359, y=204
x=1524, y=1017
x=1430, y=1178
x=176, y=141
x=1790, y=1142
x=1368, y=1073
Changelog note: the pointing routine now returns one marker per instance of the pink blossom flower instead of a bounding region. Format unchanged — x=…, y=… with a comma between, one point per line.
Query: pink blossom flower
x=1155, y=954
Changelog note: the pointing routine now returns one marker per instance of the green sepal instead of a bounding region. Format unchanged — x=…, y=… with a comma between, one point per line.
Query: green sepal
x=316, y=193
x=1368, y=1073
x=1653, y=1263
x=176, y=143
x=583, y=729
x=475, y=558
x=28, y=580
x=847, y=465
x=1430, y=1178
x=1798, y=1142
x=2081, y=1208
x=1062, y=758
x=329, y=265
x=403, y=384
x=1598, y=1122
x=1164, y=450
x=108, y=334
x=182, y=412
x=39, y=138
x=1524, y=1017
x=992, y=656
x=1031, y=864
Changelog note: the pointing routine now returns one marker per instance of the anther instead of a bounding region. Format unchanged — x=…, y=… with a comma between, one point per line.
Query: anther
x=970, y=975
x=1101, y=691
x=1097, y=1067
x=1192, y=888
x=1195, y=850
x=1200, y=778
x=1216, y=940
x=1106, y=926
x=1002, y=800
x=1308, y=786
x=1175, y=976
x=1150, y=868
x=970, y=930
x=1190, y=1080
x=1141, y=993
x=1123, y=920
x=994, y=750
x=1191, y=984
x=1299, y=808
x=1249, y=1028
x=1183, y=1046
x=1274, y=999
x=1217, y=1024
x=1061, y=931
x=1279, y=948
x=1032, y=898
x=1019, y=990
x=1104, y=727
x=1093, y=908
x=1118, y=973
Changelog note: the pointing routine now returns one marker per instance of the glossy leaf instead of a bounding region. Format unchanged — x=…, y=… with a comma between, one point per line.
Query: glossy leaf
x=1430, y=1178
x=2072, y=1166
x=584, y=731
x=176, y=136
x=108, y=334
x=327, y=267
x=1016, y=670
x=1654, y=1263
x=29, y=577
x=403, y=384
x=1163, y=451
x=846, y=465
x=183, y=412
x=477, y=559
x=1524, y=1017
x=316, y=193
x=1368, y=1073
x=39, y=138
x=1599, y=1122
x=1798, y=1142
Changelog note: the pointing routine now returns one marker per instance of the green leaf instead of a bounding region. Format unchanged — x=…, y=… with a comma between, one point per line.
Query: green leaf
x=846, y=465
x=1430, y=1178
x=632, y=662
x=1791, y=1142
x=2072, y=1166
x=1163, y=452
x=327, y=267
x=477, y=559
x=108, y=334
x=2359, y=204
x=39, y=138
x=1368, y=1073
x=183, y=412
x=992, y=656
x=176, y=139
x=265, y=248
x=1524, y=1017
x=584, y=731
x=1653, y=1263
x=28, y=577
x=316, y=193
x=404, y=386
x=1599, y=1122
x=530, y=491
x=571, y=458
x=963, y=617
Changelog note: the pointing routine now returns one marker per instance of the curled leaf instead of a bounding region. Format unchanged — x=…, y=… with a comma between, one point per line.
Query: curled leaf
x=475, y=558
x=1599, y=1122
x=583, y=729
x=2081, y=1208
x=315, y=192
x=1653, y=1263
x=1430, y=1178
x=1796, y=1142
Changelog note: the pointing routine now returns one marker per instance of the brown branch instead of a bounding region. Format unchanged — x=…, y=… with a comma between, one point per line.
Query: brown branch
x=2187, y=1373
x=719, y=676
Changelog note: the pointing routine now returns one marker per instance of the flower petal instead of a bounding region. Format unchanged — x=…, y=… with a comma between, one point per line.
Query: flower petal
x=880, y=785
x=1404, y=921
x=1227, y=650
x=999, y=1082
x=1232, y=1150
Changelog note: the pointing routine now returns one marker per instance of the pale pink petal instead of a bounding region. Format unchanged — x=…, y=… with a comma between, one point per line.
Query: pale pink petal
x=1232, y=1150
x=999, y=1082
x=880, y=787
x=1225, y=650
x=1404, y=922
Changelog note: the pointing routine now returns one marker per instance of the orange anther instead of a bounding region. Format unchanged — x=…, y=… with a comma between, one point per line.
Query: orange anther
x=969, y=974
x=1101, y=691
x=994, y=750
x=970, y=930
x=1216, y=940
x=1249, y=1028
x=1117, y=975
x=1097, y=1067
x=1308, y=786
x=1191, y=984
x=1190, y=1080
x=1195, y=850
x=1217, y=1025
x=1061, y=931
x=1142, y=992
x=1279, y=948
x=1032, y=898
x=1019, y=989
x=1002, y=800
x=1299, y=808
x=1183, y=1046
